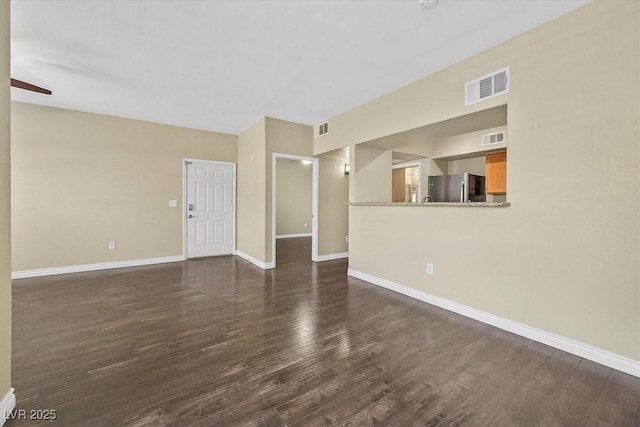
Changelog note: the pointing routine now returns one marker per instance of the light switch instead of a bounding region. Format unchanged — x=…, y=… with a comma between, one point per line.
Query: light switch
x=173, y=203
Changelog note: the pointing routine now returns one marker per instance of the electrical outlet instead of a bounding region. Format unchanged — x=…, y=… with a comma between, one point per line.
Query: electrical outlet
x=305, y=225
x=173, y=203
x=346, y=238
x=112, y=245
x=429, y=268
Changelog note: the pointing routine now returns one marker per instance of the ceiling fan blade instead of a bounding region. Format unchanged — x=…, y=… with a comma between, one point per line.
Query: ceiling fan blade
x=28, y=86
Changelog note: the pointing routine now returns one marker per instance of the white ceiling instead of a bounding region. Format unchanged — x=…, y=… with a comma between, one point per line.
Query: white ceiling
x=222, y=65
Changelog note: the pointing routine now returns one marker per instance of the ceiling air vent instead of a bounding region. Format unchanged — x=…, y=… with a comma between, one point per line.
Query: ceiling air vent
x=493, y=138
x=489, y=86
x=322, y=129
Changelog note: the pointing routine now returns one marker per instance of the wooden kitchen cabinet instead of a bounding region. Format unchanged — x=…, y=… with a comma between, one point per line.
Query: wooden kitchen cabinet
x=497, y=173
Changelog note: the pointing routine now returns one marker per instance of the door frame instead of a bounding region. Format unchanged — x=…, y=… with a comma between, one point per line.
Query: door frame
x=186, y=161
x=314, y=202
x=412, y=164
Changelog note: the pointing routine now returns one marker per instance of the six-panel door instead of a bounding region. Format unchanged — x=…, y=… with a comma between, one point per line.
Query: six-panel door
x=209, y=209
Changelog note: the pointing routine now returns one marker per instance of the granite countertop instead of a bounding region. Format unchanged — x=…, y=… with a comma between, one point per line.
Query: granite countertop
x=436, y=204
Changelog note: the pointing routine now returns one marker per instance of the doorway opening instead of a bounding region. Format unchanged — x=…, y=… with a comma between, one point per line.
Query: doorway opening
x=294, y=227
x=406, y=184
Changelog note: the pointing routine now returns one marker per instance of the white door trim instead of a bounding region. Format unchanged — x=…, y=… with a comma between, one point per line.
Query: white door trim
x=314, y=203
x=184, y=200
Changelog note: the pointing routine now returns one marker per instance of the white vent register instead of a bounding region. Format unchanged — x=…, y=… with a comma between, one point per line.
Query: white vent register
x=322, y=129
x=485, y=87
x=493, y=138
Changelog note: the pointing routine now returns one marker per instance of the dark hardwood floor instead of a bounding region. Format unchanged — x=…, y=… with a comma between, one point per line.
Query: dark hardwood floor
x=292, y=250
x=219, y=342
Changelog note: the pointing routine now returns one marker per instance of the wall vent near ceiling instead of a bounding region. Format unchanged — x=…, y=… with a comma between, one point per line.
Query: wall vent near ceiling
x=493, y=138
x=322, y=129
x=485, y=87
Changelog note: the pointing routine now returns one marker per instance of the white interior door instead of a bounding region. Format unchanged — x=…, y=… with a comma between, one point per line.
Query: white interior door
x=209, y=209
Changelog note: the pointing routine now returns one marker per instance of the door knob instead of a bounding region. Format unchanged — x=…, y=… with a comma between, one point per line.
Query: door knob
x=190, y=216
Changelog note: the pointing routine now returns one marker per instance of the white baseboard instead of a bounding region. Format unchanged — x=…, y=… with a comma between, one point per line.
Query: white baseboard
x=7, y=404
x=569, y=345
x=291, y=236
x=330, y=257
x=93, y=267
x=263, y=265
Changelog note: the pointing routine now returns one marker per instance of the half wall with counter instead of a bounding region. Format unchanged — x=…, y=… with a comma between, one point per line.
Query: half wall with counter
x=557, y=268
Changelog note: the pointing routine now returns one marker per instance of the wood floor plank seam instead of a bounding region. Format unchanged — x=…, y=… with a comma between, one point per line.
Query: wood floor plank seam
x=463, y=403
x=222, y=342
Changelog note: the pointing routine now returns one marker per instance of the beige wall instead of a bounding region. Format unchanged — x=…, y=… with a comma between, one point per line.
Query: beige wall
x=5, y=204
x=467, y=143
x=569, y=266
x=81, y=180
x=475, y=165
x=333, y=212
x=286, y=138
x=261, y=141
x=251, y=187
x=293, y=197
x=256, y=146
x=372, y=174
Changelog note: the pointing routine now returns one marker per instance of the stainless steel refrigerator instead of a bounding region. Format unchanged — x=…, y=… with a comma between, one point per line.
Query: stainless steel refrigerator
x=463, y=187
